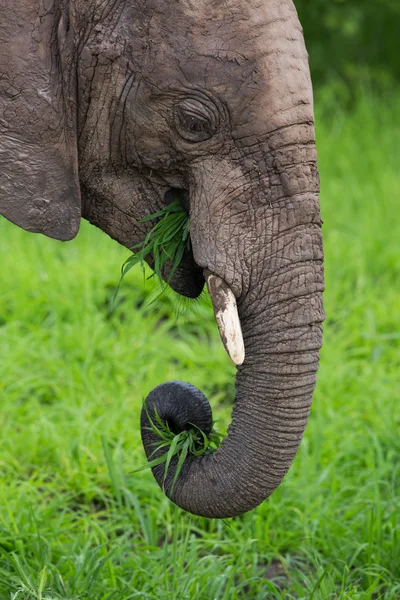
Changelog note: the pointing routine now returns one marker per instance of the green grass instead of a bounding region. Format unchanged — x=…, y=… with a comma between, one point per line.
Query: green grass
x=75, y=523
x=166, y=242
x=189, y=441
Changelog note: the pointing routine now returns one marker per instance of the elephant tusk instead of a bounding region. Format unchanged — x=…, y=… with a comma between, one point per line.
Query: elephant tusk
x=227, y=317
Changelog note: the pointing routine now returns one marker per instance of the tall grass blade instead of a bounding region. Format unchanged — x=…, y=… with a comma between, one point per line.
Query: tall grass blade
x=115, y=483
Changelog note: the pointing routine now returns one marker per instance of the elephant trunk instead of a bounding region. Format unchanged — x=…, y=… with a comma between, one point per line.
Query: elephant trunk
x=274, y=386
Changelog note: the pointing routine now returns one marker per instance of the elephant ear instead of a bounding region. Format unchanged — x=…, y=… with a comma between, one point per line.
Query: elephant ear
x=39, y=184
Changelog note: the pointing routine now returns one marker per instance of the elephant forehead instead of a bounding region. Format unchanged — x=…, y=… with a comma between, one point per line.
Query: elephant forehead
x=226, y=30
x=250, y=55
x=255, y=12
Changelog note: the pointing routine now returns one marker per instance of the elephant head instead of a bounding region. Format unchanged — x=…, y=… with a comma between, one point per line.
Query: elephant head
x=115, y=108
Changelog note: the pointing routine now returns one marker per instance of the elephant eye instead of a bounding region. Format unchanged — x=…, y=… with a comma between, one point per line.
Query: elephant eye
x=194, y=121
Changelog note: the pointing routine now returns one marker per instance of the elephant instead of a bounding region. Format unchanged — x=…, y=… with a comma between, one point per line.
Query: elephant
x=109, y=110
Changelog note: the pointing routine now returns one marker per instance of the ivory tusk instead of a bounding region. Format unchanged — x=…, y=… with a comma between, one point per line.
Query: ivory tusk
x=226, y=315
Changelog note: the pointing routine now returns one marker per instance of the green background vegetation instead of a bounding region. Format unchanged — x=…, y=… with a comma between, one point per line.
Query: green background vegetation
x=352, y=43
x=75, y=523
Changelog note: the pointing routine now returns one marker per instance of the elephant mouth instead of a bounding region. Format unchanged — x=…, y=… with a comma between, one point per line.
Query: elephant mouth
x=188, y=280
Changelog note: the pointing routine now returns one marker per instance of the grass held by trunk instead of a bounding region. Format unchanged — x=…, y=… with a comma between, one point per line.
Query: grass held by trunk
x=191, y=441
x=76, y=524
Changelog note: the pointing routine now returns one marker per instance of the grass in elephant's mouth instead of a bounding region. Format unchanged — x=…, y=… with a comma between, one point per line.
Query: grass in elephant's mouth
x=190, y=441
x=166, y=242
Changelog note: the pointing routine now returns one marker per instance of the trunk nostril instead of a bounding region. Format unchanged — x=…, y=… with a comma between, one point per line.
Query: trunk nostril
x=178, y=193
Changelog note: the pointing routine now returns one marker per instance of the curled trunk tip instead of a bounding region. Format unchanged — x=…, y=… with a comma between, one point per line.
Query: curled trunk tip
x=180, y=406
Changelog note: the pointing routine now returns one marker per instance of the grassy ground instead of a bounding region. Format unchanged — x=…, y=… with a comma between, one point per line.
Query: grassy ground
x=75, y=524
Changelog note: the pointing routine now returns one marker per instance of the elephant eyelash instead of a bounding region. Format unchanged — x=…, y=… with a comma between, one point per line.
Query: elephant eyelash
x=195, y=125
x=194, y=121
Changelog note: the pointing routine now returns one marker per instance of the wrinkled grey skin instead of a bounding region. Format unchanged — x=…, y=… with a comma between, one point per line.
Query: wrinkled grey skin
x=106, y=106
